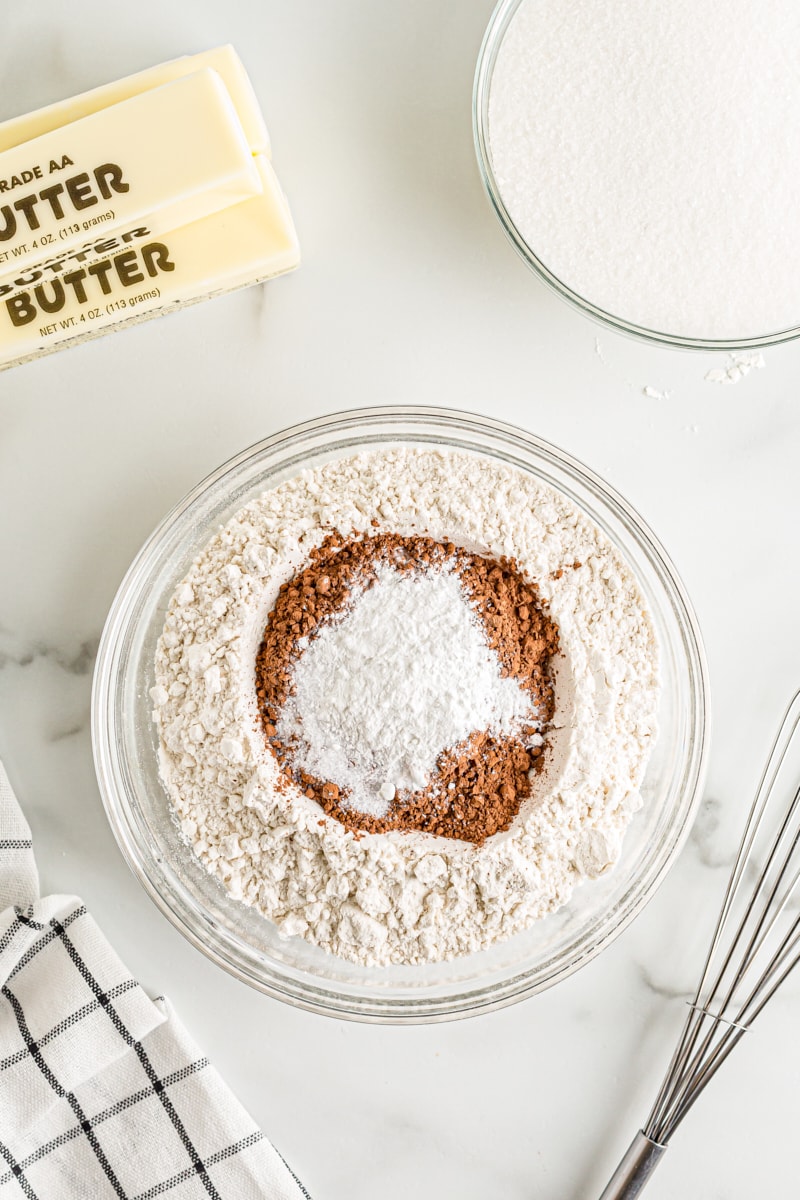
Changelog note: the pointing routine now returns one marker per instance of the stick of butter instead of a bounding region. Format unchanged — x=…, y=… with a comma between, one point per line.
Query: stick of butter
x=144, y=275
x=224, y=60
x=169, y=156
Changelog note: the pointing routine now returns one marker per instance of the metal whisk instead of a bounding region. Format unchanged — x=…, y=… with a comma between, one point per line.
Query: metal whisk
x=755, y=945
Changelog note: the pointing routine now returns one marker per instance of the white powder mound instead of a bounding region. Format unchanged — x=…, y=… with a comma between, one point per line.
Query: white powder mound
x=404, y=897
x=406, y=674
x=648, y=155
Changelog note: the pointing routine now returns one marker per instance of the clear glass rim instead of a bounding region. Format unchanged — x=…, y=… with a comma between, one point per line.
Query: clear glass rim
x=298, y=987
x=487, y=57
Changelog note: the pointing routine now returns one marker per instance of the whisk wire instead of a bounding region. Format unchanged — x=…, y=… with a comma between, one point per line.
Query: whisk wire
x=709, y=1058
x=698, y=1064
x=781, y=976
x=764, y=792
x=744, y=966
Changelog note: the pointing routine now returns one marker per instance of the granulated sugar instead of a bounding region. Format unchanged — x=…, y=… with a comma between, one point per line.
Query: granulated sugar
x=404, y=675
x=404, y=897
x=648, y=155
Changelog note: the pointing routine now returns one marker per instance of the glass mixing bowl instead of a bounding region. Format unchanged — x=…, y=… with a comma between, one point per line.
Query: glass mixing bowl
x=246, y=943
x=493, y=39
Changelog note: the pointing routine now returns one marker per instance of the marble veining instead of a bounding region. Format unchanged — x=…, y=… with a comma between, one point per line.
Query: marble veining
x=705, y=835
x=18, y=652
x=658, y=988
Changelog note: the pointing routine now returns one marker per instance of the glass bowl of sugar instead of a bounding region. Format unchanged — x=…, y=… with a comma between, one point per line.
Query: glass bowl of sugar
x=396, y=925
x=645, y=176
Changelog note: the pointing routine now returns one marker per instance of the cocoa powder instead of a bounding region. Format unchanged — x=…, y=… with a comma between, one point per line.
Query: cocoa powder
x=479, y=785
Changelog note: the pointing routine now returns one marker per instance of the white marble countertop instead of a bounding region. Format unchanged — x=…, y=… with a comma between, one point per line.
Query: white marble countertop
x=408, y=293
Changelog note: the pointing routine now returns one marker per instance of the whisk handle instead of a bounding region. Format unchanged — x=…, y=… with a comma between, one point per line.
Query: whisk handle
x=635, y=1169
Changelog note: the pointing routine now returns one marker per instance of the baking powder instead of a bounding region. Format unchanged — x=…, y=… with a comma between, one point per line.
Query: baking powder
x=406, y=674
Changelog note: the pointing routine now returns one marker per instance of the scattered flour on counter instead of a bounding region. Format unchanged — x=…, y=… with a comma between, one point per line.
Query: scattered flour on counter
x=404, y=897
x=738, y=366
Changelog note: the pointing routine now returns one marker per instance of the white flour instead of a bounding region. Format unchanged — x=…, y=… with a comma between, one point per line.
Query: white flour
x=648, y=155
x=404, y=897
x=406, y=674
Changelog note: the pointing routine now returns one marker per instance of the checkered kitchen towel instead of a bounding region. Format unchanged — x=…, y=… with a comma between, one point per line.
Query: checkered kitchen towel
x=102, y=1092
